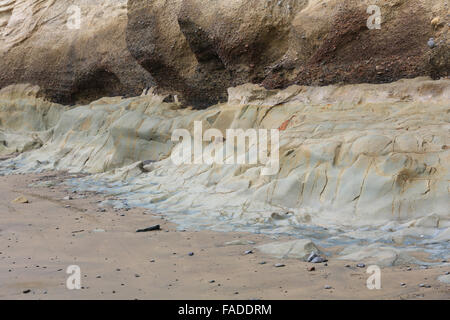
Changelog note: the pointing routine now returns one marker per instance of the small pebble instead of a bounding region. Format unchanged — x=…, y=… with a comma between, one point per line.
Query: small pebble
x=248, y=252
x=317, y=259
x=360, y=265
x=279, y=265
x=327, y=287
x=431, y=43
x=190, y=254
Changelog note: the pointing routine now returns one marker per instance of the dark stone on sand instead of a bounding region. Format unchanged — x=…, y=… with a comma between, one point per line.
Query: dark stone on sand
x=152, y=228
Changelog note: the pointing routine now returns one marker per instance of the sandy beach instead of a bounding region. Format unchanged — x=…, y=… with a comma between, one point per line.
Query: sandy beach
x=41, y=238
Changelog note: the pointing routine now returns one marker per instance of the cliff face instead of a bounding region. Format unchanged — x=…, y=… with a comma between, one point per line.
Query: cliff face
x=39, y=45
x=199, y=48
x=211, y=45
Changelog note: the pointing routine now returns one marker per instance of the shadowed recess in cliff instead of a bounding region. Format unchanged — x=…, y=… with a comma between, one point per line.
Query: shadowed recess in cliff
x=95, y=85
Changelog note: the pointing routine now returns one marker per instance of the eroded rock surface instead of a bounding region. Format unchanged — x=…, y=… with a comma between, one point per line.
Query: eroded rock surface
x=357, y=162
x=40, y=44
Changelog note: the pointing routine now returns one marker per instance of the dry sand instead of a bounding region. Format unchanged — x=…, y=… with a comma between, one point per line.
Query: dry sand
x=40, y=239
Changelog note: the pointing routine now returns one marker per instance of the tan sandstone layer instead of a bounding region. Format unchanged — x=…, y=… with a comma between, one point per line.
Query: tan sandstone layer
x=199, y=48
x=38, y=45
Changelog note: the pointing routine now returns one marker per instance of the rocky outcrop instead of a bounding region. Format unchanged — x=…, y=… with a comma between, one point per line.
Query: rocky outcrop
x=198, y=48
x=356, y=162
x=25, y=119
x=296, y=249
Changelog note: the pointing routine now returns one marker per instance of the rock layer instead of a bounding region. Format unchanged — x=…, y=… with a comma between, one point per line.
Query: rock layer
x=277, y=43
x=357, y=162
x=38, y=45
x=198, y=48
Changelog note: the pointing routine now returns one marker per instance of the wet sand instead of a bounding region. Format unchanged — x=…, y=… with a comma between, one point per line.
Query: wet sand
x=40, y=239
